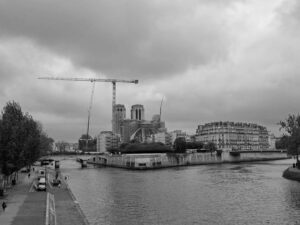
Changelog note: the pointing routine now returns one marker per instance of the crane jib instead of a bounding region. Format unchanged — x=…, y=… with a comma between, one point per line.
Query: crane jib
x=89, y=79
x=93, y=80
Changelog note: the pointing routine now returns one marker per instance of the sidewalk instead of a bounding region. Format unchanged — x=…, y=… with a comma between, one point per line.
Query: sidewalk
x=68, y=211
x=23, y=207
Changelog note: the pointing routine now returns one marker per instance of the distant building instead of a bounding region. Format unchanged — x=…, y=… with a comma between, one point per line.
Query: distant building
x=128, y=127
x=137, y=112
x=176, y=134
x=163, y=137
x=139, y=129
x=272, y=141
x=236, y=136
x=107, y=140
x=119, y=115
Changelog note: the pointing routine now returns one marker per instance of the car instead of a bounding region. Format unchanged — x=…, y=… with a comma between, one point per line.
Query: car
x=41, y=179
x=56, y=182
x=41, y=187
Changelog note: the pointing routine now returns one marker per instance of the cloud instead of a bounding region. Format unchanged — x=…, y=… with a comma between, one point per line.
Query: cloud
x=210, y=60
x=126, y=38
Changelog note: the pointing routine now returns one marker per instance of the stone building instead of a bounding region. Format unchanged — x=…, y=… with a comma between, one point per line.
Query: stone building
x=137, y=112
x=163, y=137
x=234, y=136
x=107, y=140
x=119, y=115
x=138, y=128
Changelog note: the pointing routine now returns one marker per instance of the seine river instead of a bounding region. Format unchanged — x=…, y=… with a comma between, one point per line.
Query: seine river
x=246, y=193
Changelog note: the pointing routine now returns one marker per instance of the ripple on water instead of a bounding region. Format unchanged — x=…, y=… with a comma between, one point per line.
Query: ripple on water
x=212, y=194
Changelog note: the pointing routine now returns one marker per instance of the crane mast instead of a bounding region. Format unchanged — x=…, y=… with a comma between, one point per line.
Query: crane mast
x=89, y=115
x=93, y=80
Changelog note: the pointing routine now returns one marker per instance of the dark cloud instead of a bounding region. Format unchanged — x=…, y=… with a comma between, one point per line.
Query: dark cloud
x=125, y=38
x=211, y=60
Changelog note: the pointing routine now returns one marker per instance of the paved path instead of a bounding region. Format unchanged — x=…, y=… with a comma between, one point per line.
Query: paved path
x=68, y=211
x=23, y=207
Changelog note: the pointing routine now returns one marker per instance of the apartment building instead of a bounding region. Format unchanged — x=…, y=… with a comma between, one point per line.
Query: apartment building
x=107, y=140
x=234, y=136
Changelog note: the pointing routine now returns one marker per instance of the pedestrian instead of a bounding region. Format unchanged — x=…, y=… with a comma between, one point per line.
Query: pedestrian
x=3, y=206
x=29, y=175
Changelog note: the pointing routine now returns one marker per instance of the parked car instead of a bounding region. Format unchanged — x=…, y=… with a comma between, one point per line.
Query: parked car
x=56, y=182
x=41, y=186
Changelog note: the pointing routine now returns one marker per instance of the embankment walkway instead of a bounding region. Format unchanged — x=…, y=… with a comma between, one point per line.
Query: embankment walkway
x=23, y=205
x=26, y=206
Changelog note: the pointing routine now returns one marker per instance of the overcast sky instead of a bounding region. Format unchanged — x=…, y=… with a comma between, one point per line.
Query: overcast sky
x=211, y=60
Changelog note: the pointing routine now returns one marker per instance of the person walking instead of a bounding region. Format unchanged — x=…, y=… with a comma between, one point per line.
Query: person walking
x=3, y=206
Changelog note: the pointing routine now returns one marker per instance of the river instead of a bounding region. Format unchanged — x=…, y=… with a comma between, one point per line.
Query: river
x=245, y=193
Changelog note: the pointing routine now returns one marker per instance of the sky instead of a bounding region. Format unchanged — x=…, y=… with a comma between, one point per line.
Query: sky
x=210, y=60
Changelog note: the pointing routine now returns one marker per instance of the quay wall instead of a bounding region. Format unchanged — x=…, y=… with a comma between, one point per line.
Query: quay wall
x=292, y=173
x=163, y=160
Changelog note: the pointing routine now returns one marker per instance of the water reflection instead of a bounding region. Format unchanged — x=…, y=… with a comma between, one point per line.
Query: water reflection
x=253, y=193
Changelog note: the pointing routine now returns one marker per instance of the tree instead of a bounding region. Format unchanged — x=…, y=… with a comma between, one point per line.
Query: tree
x=82, y=143
x=20, y=139
x=194, y=145
x=12, y=138
x=46, y=144
x=210, y=146
x=292, y=126
x=282, y=143
x=180, y=144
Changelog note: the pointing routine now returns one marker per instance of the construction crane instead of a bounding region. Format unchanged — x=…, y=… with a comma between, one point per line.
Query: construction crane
x=160, y=108
x=93, y=80
x=89, y=115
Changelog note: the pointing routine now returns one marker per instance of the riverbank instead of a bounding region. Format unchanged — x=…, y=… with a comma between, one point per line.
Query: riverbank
x=26, y=206
x=67, y=209
x=292, y=173
x=165, y=160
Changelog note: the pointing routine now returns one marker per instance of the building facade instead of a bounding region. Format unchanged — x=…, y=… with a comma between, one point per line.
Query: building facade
x=234, y=136
x=137, y=112
x=137, y=128
x=119, y=115
x=163, y=137
x=107, y=140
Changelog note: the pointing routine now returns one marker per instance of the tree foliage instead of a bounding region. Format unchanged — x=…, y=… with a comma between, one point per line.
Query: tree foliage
x=141, y=148
x=282, y=143
x=180, y=145
x=20, y=139
x=292, y=126
x=194, y=145
x=210, y=146
x=82, y=143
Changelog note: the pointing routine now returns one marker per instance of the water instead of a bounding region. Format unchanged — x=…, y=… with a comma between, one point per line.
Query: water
x=248, y=193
